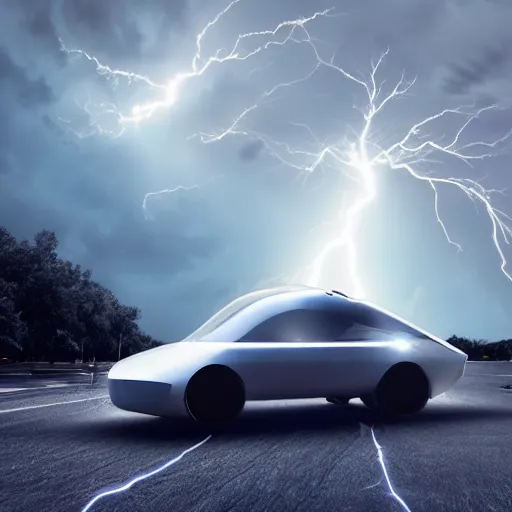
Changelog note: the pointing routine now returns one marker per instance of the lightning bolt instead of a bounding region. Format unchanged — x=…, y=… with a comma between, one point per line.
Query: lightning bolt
x=365, y=158
x=357, y=154
x=144, y=476
x=386, y=473
x=170, y=92
x=173, y=190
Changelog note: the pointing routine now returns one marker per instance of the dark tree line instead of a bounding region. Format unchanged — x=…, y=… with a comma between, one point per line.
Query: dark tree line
x=481, y=350
x=52, y=310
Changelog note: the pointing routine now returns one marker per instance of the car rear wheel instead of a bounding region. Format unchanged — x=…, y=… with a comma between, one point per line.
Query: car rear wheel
x=404, y=389
x=215, y=395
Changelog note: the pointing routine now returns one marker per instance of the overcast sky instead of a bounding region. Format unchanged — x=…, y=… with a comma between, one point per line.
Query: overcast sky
x=253, y=221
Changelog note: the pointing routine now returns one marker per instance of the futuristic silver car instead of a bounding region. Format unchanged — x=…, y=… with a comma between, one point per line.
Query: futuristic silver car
x=289, y=342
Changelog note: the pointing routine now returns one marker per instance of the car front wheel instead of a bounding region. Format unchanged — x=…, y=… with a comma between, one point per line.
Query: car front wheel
x=214, y=395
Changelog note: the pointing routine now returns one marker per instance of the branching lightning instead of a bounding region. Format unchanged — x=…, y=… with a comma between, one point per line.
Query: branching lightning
x=144, y=476
x=170, y=92
x=356, y=153
x=365, y=158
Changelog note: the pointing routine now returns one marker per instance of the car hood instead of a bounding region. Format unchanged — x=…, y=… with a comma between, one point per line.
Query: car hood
x=154, y=363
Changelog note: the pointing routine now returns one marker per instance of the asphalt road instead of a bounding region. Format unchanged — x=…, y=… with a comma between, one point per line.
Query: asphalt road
x=62, y=446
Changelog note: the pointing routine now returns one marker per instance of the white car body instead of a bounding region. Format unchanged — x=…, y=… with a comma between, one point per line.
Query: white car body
x=296, y=362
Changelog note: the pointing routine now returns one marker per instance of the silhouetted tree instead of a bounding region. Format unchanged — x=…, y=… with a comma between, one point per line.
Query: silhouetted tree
x=13, y=330
x=50, y=309
x=478, y=350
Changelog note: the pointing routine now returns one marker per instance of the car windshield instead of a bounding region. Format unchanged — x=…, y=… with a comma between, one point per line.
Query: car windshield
x=232, y=309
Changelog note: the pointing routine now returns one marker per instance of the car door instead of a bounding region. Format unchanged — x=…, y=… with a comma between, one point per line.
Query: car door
x=368, y=343
x=340, y=349
x=352, y=366
x=292, y=355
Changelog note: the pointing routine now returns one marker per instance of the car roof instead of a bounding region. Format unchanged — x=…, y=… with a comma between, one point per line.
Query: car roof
x=250, y=309
x=253, y=308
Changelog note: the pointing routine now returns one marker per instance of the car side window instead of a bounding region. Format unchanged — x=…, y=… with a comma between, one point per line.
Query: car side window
x=300, y=325
x=369, y=324
x=351, y=322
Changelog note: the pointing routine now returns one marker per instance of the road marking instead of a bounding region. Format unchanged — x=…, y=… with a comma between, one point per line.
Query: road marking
x=4, y=411
x=129, y=484
x=10, y=390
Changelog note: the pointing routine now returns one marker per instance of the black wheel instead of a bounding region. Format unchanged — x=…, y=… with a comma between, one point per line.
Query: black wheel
x=404, y=389
x=338, y=400
x=215, y=395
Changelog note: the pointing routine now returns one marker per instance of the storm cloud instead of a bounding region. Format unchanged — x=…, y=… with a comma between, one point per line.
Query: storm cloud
x=492, y=63
x=26, y=91
x=253, y=219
